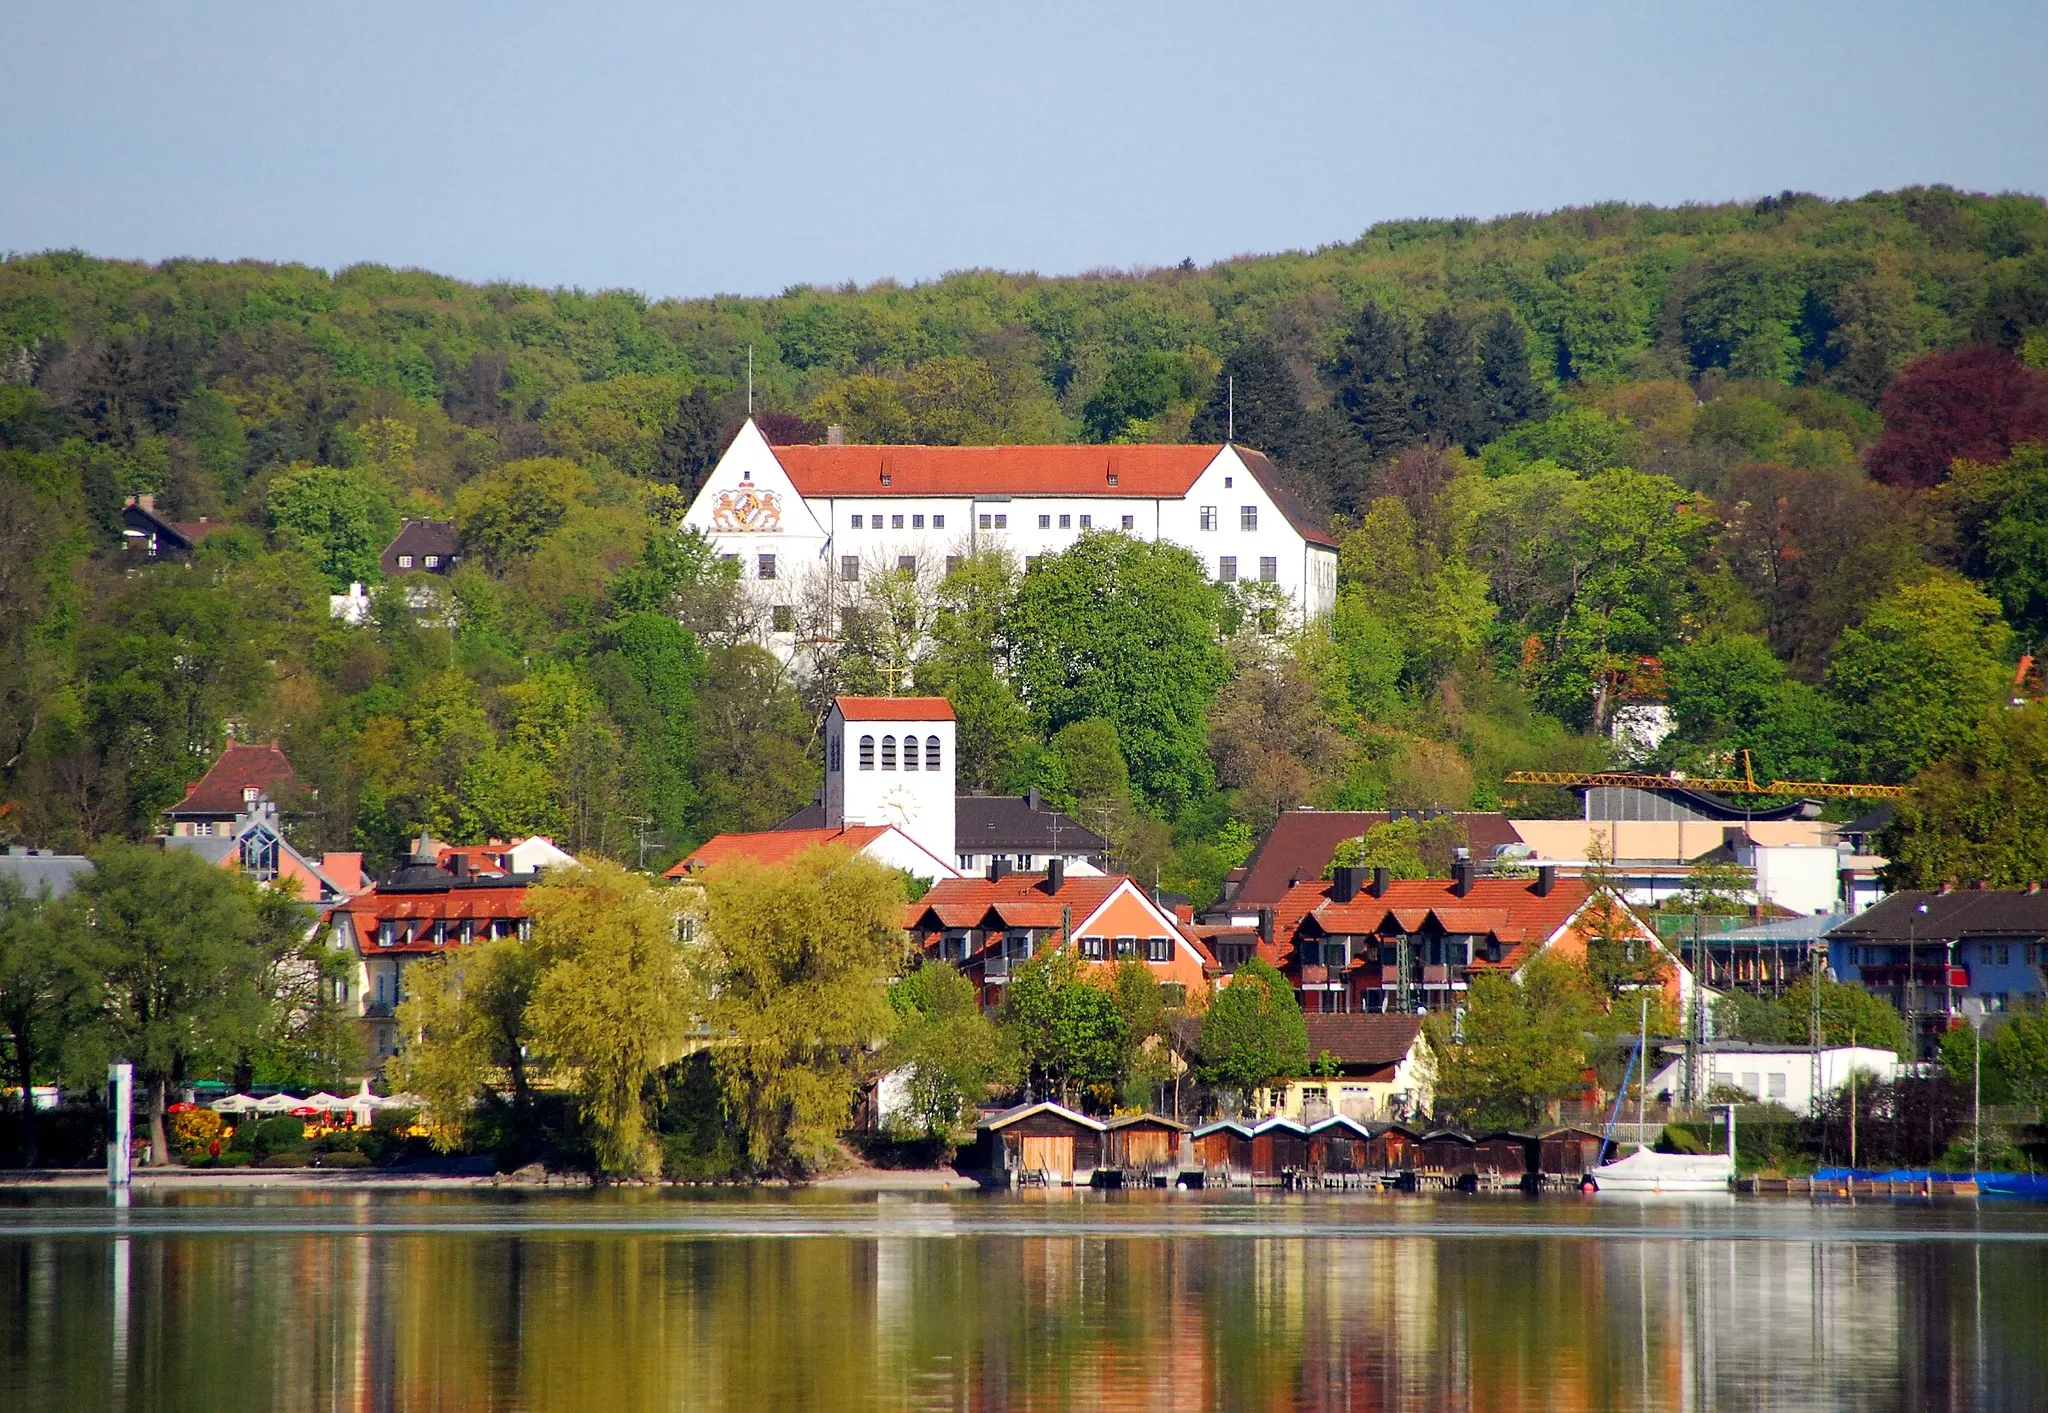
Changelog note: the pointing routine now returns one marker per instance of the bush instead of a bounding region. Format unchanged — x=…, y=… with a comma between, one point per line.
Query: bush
x=225, y=1160
x=285, y=1160
x=281, y=1134
x=341, y=1159
x=698, y=1143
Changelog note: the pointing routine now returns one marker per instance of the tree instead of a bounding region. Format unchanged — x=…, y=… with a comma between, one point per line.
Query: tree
x=1253, y=1032
x=1848, y=1014
x=751, y=734
x=612, y=1000
x=1980, y=813
x=1913, y=680
x=2001, y=517
x=1406, y=848
x=1273, y=734
x=1370, y=374
x=1136, y=390
x=1124, y=630
x=1067, y=1028
x=1516, y=1049
x=1967, y=404
x=178, y=961
x=2018, y=1051
x=1447, y=393
x=341, y=519
x=505, y=513
x=793, y=971
x=42, y=993
x=464, y=1017
x=1255, y=399
x=1730, y=694
x=952, y=1053
x=703, y=426
x=1603, y=321
x=1510, y=393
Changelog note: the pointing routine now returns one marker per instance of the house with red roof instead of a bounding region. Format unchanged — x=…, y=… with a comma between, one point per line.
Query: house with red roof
x=243, y=775
x=882, y=842
x=991, y=925
x=439, y=898
x=831, y=517
x=1362, y=941
x=150, y=537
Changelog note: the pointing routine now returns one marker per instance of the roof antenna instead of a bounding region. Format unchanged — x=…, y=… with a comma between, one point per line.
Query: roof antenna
x=1230, y=408
x=750, y=380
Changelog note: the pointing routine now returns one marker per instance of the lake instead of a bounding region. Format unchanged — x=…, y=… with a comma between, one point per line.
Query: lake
x=648, y=1299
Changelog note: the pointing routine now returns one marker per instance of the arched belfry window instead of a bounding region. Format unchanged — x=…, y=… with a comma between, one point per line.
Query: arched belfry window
x=931, y=753
x=910, y=752
x=888, y=753
x=867, y=753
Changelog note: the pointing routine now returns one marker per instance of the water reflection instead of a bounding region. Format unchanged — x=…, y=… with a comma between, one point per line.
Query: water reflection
x=318, y=1301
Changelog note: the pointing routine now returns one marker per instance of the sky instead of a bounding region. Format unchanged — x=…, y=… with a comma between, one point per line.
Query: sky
x=686, y=149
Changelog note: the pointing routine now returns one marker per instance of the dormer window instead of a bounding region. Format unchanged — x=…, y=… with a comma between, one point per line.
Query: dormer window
x=251, y=794
x=433, y=561
x=885, y=479
x=1112, y=478
x=405, y=561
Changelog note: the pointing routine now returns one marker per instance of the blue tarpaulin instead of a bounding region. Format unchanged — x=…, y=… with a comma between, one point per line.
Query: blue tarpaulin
x=2002, y=1184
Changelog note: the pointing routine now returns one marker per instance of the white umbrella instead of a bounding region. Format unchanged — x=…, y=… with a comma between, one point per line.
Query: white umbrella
x=232, y=1104
x=324, y=1100
x=280, y=1104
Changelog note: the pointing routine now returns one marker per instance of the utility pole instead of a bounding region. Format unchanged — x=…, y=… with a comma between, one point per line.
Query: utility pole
x=1852, y=1099
x=120, y=1159
x=1976, y=1096
x=1643, y=1072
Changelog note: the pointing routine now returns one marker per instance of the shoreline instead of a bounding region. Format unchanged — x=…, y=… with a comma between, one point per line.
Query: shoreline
x=243, y=1179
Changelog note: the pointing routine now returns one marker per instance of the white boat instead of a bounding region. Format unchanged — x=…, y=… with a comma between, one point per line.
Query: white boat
x=1646, y=1171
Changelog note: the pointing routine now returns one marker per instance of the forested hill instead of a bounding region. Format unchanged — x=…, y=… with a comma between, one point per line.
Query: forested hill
x=1578, y=456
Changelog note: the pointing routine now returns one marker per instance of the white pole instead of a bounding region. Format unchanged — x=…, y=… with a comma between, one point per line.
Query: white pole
x=1643, y=1070
x=122, y=1077
x=1976, y=1096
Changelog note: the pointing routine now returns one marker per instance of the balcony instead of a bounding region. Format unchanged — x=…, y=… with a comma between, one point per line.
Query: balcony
x=996, y=968
x=1930, y=976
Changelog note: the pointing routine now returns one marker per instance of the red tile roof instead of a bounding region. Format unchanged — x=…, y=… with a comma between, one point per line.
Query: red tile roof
x=219, y=791
x=775, y=846
x=894, y=708
x=1017, y=900
x=994, y=470
x=1509, y=908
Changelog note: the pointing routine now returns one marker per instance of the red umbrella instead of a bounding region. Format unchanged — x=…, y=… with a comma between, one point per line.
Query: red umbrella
x=305, y=1113
x=181, y=1108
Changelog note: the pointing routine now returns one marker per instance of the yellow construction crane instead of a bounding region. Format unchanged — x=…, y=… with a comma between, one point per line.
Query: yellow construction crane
x=1747, y=785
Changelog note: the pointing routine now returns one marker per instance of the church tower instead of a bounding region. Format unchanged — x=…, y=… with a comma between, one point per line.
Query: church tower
x=889, y=760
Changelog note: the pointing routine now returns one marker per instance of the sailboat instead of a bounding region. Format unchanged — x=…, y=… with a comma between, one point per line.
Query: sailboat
x=1647, y=1171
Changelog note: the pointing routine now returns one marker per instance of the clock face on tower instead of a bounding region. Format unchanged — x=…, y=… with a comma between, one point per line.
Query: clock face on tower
x=899, y=806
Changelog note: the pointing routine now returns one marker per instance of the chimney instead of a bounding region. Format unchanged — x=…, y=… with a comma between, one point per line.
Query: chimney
x=1184, y=914
x=1948, y=885
x=1055, y=874
x=996, y=870
x=1266, y=926
x=1032, y=799
x=1381, y=877
x=835, y=435
x=1345, y=883
x=1461, y=878
x=460, y=864
x=1546, y=880
x=2034, y=889
x=147, y=502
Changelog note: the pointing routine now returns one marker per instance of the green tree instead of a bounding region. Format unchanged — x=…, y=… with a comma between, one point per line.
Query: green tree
x=1253, y=1032
x=1730, y=694
x=505, y=513
x=752, y=733
x=2001, y=517
x=1406, y=848
x=2018, y=1051
x=1136, y=390
x=1125, y=631
x=42, y=992
x=952, y=1054
x=1980, y=813
x=340, y=519
x=1516, y=1049
x=178, y=960
x=1066, y=1028
x=1847, y=1013
x=1605, y=318
x=1510, y=392
x=793, y=970
x=464, y=1017
x=1371, y=377
x=612, y=1000
x=1916, y=677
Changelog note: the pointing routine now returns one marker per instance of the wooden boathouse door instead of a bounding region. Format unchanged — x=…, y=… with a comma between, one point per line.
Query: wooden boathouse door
x=1049, y=1153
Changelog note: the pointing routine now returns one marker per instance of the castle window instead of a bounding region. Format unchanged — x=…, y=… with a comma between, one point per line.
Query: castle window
x=917, y=522
x=1226, y=569
x=938, y=522
x=888, y=753
x=856, y=522
x=952, y=562
x=895, y=522
x=1066, y=522
x=988, y=522
x=1248, y=518
x=907, y=563
x=1087, y=522
x=1045, y=522
x=849, y=568
x=1269, y=569
x=931, y=753
x=1002, y=521
x=765, y=566
x=1208, y=517
x=867, y=753
x=1130, y=522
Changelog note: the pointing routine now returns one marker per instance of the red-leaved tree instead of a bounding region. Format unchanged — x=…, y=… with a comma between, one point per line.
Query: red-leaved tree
x=1968, y=402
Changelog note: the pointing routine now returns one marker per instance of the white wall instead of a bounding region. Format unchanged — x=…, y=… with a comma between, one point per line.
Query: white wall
x=919, y=802
x=1778, y=1076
